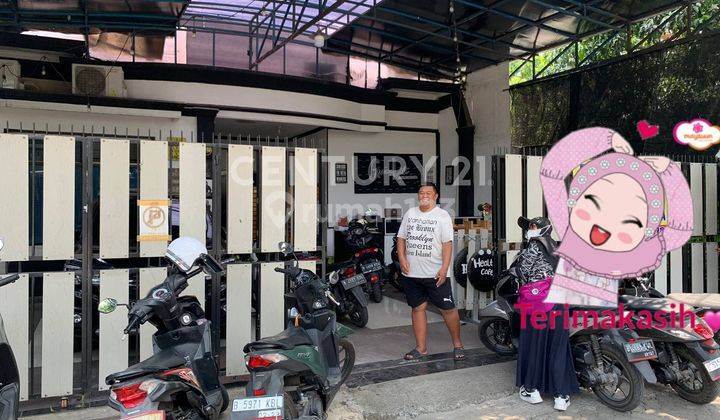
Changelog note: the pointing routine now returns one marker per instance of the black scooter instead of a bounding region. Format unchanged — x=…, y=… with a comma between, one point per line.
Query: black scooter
x=9, y=376
x=367, y=256
x=180, y=379
x=347, y=286
x=688, y=355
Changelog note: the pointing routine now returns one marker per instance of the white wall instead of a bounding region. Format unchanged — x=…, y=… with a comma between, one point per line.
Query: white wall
x=110, y=119
x=268, y=99
x=447, y=125
x=411, y=119
x=489, y=103
x=341, y=148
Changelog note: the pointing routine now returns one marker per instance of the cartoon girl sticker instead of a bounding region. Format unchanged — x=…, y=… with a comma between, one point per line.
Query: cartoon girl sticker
x=617, y=218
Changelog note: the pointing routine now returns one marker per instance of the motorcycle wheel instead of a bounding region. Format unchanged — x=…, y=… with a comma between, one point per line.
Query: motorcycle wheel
x=347, y=360
x=359, y=317
x=376, y=294
x=703, y=389
x=290, y=411
x=495, y=334
x=180, y=414
x=225, y=398
x=615, y=358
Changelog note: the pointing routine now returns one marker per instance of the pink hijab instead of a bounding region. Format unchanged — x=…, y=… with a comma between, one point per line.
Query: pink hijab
x=645, y=257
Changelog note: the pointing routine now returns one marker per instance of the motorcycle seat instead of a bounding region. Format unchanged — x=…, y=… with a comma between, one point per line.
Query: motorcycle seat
x=650, y=304
x=340, y=266
x=163, y=360
x=286, y=340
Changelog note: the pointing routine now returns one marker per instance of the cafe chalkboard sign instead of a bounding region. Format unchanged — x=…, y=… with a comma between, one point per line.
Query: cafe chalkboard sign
x=482, y=269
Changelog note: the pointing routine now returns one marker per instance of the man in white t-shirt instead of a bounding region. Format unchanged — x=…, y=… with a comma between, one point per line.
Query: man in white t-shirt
x=425, y=249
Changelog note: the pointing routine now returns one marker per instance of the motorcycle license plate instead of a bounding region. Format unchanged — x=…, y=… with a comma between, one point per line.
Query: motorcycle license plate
x=353, y=281
x=713, y=368
x=270, y=408
x=371, y=267
x=148, y=415
x=640, y=350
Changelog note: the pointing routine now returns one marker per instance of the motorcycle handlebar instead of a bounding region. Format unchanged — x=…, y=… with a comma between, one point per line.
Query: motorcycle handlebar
x=133, y=324
x=9, y=279
x=291, y=271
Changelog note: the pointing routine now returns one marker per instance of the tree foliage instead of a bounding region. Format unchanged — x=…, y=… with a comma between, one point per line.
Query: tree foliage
x=665, y=86
x=666, y=26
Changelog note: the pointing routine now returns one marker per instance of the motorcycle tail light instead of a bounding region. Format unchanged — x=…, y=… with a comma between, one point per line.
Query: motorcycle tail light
x=350, y=271
x=186, y=374
x=374, y=278
x=259, y=361
x=150, y=385
x=258, y=392
x=129, y=396
x=710, y=346
x=366, y=251
x=702, y=329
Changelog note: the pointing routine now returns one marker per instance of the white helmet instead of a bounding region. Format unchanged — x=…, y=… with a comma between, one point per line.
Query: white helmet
x=184, y=252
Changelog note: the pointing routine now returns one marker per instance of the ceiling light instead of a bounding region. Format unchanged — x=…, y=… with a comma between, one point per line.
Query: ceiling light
x=319, y=40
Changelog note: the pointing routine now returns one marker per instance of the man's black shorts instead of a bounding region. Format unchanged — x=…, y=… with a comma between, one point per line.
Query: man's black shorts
x=421, y=290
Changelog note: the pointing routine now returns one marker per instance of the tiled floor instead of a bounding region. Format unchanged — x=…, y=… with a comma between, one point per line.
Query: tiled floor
x=389, y=333
x=392, y=312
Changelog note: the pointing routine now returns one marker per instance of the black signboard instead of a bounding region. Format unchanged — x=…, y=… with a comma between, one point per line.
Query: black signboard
x=481, y=270
x=387, y=173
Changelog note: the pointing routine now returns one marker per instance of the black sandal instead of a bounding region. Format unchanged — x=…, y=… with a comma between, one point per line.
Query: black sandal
x=414, y=355
x=459, y=353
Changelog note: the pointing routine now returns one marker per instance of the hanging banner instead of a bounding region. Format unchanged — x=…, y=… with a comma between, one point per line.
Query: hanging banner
x=153, y=217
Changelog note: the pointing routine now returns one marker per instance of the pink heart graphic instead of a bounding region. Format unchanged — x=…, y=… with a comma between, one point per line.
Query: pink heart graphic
x=646, y=130
x=712, y=319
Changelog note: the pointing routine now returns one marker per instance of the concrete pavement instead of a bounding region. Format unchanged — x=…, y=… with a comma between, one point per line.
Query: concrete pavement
x=484, y=392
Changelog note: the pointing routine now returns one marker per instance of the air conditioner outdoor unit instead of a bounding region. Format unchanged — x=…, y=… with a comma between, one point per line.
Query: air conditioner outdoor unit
x=98, y=81
x=9, y=74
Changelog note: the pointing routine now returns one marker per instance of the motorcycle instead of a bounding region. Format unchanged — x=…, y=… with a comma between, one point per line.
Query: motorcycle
x=642, y=287
x=688, y=355
x=9, y=375
x=610, y=362
x=180, y=380
x=347, y=286
x=97, y=265
x=367, y=257
x=296, y=373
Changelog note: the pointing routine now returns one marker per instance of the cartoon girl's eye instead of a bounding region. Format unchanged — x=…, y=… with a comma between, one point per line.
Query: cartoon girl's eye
x=633, y=221
x=593, y=199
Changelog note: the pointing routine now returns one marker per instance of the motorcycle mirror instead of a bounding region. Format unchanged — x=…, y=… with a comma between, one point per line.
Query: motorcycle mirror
x=107, y=306
x=285, y=248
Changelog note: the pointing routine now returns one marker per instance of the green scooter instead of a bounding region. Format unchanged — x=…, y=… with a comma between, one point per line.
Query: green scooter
x=296, y=373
